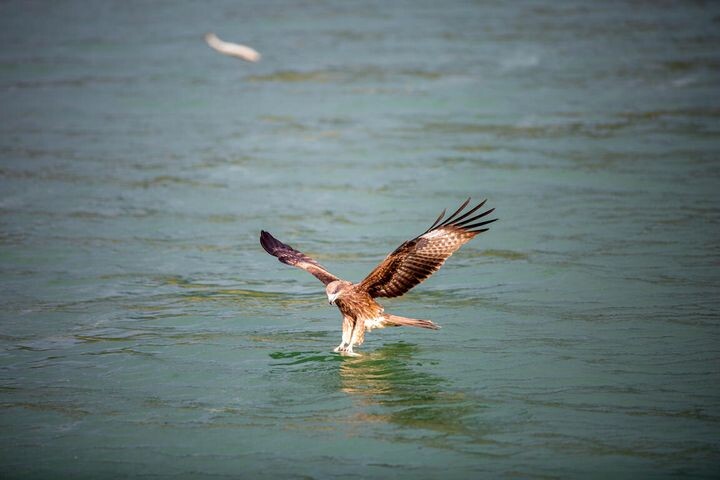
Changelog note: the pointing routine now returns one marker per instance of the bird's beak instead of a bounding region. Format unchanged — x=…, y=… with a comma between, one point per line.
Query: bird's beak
x=331, y=299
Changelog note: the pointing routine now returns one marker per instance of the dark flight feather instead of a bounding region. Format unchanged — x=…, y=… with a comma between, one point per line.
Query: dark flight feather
x=288, y=255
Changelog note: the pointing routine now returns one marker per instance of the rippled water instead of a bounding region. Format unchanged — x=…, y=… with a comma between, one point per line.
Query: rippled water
x=144, y=332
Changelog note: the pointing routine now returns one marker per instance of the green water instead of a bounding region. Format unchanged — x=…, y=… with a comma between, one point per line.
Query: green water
x=144, y=331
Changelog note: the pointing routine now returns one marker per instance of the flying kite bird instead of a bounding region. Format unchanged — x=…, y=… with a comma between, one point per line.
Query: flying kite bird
x=411, y=263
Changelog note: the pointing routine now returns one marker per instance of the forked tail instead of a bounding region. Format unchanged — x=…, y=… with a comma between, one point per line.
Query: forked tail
x=395, y=320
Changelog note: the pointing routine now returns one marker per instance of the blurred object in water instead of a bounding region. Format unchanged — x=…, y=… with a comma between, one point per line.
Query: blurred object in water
x=233, y=49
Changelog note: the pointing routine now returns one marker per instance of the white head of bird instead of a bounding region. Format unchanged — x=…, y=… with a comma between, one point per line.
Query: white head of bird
x=334, y=290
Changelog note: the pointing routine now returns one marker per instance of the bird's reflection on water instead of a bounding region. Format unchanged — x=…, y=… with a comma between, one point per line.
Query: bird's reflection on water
x=390, y=385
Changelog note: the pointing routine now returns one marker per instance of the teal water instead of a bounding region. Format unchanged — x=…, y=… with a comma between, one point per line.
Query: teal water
x=144, y=332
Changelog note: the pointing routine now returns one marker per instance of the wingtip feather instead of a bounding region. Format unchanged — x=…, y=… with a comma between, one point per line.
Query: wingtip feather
x=268, y=242
x=452, y=217
x=442, y=214
x=480, y=224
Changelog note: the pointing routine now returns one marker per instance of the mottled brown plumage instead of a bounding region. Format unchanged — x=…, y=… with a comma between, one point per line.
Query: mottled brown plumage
x=408, y=265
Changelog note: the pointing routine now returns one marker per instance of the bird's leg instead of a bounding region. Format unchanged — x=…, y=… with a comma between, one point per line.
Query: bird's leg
x=358, y=334
x=347, y=327
x=356, y=337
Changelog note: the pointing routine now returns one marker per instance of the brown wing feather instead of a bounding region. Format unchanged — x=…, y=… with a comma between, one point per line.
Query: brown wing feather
x=417, y=259
x=288, y=255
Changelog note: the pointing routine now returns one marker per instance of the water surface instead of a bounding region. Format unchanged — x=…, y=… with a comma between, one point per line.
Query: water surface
x=144, y=332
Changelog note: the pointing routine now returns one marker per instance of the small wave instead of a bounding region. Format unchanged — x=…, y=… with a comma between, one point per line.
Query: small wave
x=49, y=343
x=520, y=60
x=170, y=180
x=343, y=76
x=305, y=357
x=506, y=254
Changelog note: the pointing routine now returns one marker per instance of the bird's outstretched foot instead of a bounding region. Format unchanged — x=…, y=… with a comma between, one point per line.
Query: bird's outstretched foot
x=345, y=349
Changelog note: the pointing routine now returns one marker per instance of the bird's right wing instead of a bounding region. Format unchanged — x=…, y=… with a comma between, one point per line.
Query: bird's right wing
x=417, y=259
x=288, y=255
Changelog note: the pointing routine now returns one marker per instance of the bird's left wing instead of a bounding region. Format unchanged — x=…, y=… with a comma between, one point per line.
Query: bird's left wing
x=417, y=259
x=288, y=255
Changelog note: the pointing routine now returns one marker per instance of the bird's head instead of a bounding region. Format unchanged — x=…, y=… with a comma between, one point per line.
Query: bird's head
x=334, y=290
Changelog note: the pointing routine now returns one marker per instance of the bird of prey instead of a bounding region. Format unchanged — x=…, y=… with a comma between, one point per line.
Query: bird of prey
x=408, y=265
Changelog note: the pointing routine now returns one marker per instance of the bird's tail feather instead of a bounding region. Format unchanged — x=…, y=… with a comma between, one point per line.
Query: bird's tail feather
x=409, y=322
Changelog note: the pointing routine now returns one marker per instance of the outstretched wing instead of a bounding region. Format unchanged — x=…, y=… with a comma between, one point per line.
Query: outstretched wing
x=417, y=259
x=287, y=254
